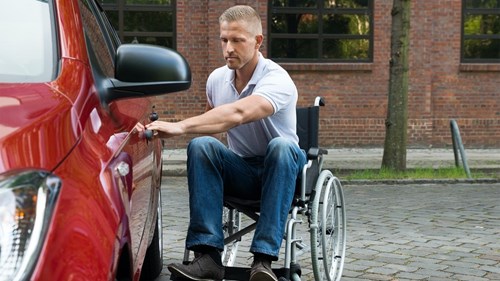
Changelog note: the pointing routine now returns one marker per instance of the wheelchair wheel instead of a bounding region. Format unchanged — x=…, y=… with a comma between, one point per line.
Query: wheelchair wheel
x=231, y=223
x=328, y=228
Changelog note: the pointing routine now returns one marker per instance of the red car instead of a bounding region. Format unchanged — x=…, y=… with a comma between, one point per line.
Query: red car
x=79, y=186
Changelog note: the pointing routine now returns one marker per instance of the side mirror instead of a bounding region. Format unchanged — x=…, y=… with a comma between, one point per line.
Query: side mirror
x=146, y=70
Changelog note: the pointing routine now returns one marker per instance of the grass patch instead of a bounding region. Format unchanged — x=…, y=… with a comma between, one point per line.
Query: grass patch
x=418, y=173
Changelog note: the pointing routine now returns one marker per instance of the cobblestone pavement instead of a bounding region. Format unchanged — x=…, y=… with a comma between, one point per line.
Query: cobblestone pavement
x=395, y=232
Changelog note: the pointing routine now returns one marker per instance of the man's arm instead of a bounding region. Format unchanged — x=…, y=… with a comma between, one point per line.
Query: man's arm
x=218, y=119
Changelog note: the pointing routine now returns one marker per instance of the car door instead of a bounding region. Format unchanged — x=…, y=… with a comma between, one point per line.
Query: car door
x=135, y=161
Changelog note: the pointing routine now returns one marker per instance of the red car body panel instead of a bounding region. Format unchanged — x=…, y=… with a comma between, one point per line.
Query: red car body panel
x=32, y=116
x=62, y=127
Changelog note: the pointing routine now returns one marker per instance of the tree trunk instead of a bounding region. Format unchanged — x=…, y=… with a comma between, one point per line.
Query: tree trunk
x=396, y=123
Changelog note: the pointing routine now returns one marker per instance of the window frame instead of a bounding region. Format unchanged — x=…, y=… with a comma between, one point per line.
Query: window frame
x=320, y=10
x=121, y=7
x=113, y=38
x=102, y=66
x=476, y=11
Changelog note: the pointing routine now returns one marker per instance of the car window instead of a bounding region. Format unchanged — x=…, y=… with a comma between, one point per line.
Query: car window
x=101, y=51
x=27, y=52
x=113, y=35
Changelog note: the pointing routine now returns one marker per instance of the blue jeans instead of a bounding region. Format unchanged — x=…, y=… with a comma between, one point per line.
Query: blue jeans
x=214, y=170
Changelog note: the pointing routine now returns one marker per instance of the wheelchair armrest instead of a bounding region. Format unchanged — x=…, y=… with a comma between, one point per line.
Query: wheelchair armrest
x=315, y=152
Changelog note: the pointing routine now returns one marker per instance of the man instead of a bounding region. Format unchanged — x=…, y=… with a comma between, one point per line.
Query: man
x=252, y=99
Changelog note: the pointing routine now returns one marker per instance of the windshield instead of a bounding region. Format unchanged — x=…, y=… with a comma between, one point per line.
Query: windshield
x=26, y=48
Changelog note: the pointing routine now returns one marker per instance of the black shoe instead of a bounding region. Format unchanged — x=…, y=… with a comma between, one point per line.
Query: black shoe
x=200, y=269
x=261, y=271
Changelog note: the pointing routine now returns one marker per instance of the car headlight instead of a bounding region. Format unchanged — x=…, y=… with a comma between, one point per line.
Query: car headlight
x=27, y=200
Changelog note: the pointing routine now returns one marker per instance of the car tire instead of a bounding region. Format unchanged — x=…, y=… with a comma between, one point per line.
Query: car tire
x=153, y=262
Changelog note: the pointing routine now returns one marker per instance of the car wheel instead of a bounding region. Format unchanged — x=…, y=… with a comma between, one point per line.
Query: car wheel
x=153, y=262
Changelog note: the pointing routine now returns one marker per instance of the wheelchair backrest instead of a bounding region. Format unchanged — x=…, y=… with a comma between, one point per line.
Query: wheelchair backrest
x=307, y=131
x=308, y=126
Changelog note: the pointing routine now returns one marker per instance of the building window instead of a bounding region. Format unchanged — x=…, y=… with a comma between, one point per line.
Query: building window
x=481, y=31
x=143, y=21
x=321, y=30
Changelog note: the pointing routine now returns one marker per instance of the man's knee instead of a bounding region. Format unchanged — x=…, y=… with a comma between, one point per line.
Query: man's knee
x=284, y=150
x=195, y=142
x=281, y=145
x=203, y=146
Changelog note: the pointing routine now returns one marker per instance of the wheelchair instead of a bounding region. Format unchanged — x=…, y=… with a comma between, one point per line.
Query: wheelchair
x=318, y=196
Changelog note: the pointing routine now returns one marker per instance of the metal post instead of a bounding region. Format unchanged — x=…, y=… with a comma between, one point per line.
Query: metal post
x=458, y=147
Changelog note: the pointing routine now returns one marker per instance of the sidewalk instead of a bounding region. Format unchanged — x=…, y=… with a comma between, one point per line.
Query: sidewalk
x=346, y=159
x=410, y=232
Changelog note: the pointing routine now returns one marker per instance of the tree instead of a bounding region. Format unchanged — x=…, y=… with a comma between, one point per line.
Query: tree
x=396, y=124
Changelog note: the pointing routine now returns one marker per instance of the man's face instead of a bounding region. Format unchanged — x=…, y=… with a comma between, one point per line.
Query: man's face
x=238, y=45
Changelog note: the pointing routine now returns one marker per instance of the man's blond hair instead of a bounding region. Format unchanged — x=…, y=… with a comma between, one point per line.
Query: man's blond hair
x=246, y=14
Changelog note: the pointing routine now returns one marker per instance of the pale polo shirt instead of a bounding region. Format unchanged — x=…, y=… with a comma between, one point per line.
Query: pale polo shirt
x=270, y=81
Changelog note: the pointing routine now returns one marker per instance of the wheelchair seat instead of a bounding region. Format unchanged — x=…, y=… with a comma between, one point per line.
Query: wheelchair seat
x=318, y=196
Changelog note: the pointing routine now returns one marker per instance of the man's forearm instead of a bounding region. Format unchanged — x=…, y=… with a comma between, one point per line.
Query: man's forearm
x=217, y=120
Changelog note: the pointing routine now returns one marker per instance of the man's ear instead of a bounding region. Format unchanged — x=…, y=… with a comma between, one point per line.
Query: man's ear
x=259, y=39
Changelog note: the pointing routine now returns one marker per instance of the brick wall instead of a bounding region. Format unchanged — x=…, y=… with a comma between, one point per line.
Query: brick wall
x=440, y=88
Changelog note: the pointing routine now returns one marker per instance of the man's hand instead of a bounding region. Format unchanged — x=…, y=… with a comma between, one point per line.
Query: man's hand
x=166, y=129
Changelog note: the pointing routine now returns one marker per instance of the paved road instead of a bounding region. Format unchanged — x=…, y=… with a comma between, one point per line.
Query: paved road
x=395, y=232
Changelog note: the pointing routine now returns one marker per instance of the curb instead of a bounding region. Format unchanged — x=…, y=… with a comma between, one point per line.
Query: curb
x=420, y=181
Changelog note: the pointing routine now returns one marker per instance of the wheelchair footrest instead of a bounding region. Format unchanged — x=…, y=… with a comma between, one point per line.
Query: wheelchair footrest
x=243, y=273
